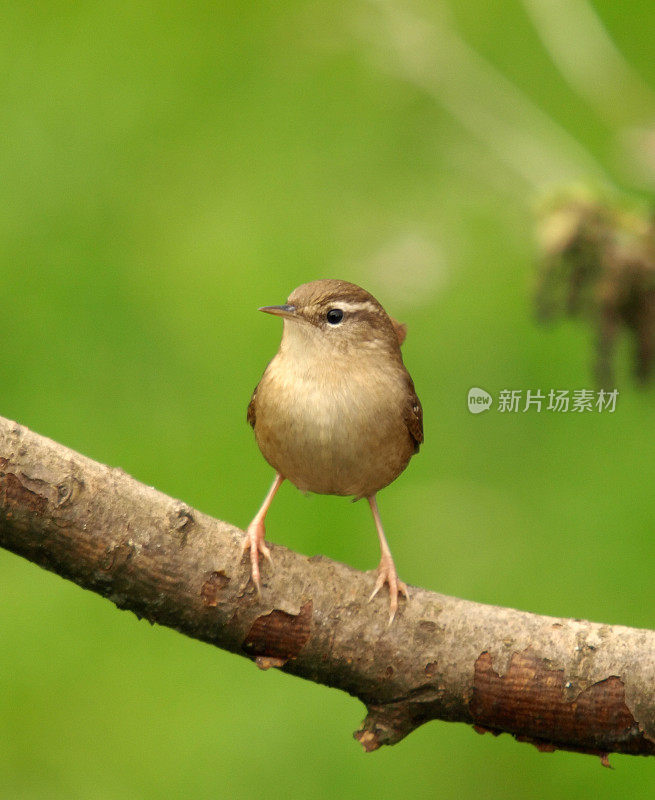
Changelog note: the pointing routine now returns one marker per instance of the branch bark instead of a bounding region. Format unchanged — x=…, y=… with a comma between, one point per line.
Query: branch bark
x=558, y=683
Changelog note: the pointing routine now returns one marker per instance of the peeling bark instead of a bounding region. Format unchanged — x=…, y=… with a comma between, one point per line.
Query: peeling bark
x=557, y=683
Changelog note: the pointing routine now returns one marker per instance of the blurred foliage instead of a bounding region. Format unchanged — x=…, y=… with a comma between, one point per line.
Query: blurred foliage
x=168, y=168
x=598, y=260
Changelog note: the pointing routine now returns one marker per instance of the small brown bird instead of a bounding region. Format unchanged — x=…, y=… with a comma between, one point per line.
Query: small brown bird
x=335, y=411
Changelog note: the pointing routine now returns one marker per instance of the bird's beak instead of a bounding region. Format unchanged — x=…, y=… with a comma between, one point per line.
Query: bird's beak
x=279, y=311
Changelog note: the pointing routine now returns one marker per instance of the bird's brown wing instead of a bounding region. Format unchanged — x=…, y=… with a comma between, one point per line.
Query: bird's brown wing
x=250, y=415
x=413, y=415
x=413, y=412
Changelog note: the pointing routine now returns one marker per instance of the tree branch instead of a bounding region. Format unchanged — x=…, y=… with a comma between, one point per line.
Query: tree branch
x=557, y=683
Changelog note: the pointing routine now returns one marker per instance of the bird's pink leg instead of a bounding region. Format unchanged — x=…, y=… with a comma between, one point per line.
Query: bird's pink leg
x=256, y=534
x=387, y=569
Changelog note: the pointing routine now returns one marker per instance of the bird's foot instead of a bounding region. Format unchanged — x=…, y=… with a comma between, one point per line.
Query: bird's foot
x=254, y=542
x=387, y=574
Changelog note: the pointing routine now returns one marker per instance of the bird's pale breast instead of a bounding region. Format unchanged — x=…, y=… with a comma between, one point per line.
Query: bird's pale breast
x=330, y=434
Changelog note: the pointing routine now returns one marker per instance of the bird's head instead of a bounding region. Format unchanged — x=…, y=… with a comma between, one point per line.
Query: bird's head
x=332, y=318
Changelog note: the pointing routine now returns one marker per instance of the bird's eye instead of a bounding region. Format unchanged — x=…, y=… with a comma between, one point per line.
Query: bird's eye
x=334, y=316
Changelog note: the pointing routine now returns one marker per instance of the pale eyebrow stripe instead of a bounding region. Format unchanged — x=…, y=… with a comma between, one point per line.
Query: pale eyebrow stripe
x=365, y=305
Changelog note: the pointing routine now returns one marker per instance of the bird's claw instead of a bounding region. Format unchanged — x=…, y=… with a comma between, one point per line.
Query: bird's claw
x=387, y=574
x=256, y=544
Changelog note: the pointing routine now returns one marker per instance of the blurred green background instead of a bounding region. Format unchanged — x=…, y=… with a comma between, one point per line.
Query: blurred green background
x=167, y=168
